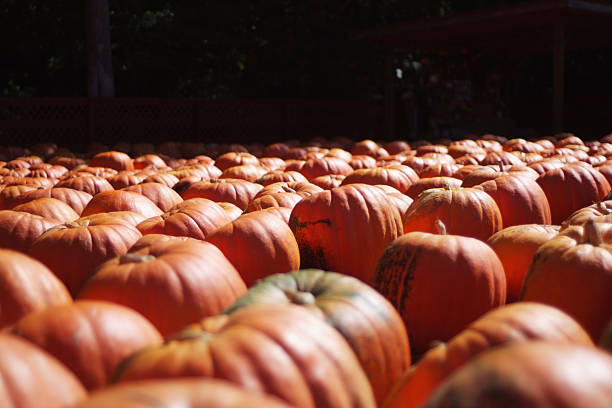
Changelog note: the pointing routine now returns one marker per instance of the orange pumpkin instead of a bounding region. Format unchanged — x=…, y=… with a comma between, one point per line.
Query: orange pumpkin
x=279, y=349
x=409, y=272
x=345, y=229
x=464, y=211
x=171, y=283
x=32, y=378
x=573, y=271
x=258, y=244
x=368, y=322
x=530, y=374
x=91, y=338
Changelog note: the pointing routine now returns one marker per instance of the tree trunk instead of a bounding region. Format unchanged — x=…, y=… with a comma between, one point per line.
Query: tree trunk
x=101, y=83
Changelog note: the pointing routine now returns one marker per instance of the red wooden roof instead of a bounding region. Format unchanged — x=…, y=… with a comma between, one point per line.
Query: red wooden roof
x=523, y=27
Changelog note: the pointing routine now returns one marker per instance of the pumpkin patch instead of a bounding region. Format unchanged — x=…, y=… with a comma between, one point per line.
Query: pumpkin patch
x=335, y=273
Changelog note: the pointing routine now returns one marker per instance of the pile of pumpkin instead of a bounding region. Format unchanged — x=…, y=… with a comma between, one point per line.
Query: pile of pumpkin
x=330, y=273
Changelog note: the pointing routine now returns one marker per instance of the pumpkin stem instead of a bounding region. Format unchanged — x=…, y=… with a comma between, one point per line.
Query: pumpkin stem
x=440, y=227
x=592, y=234
x=300, y=298
x=135, y=258
x=602, y=207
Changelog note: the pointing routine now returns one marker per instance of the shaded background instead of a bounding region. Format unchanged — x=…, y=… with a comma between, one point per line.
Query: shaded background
x=267, y=49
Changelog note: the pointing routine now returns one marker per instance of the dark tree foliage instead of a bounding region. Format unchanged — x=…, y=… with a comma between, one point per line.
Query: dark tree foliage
x=207, y=48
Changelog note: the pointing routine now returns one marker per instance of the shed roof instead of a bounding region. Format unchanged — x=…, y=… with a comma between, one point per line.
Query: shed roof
x=524, y=27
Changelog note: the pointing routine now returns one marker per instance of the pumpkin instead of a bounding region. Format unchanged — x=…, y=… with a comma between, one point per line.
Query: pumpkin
x=345, y=229
x=515, y=247
x=423, y=184
x=360, y=161
x=410, y=269
x=171, y=283
x=90, y=338
x=125, y=178
x=112, y=159
x=148, y=159
x=73, y=250
x=18, y=230
x=286, y=199
x=32, y=378
x=231, y=159
x=26, y=286
x=89, y=184
x=166, y=179
x=277, y=176
x=530, y=374
x=313, y=168
x=235, y=191
x=161, y=195
x=9, y=196
x=464, y=211
x=282, y=350
x=520, y=200
x=598, y=212
x=368, y=322
x=51, y=208
x=258, y=244
x=573, y=271
x=511, y=324
x=398, y=176
x=249, y=172
x=572, y=187
x=77, y=200
x=121, y=200
x=195, y=218
x=186, y=392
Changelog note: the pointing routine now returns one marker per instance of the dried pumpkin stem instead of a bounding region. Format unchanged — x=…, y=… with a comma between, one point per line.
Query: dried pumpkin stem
x=440, y=227
x=135, y=258
x=592, y=234
x=300, y=298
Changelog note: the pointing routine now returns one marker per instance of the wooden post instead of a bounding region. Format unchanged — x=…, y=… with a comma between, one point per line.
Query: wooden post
x=558, y=101
x=389, y=93
x=100, y=83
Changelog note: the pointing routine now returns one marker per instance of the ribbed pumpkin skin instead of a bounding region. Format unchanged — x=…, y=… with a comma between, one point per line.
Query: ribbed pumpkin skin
x=26, y=285
x=520, y=200
x=73, y=250
x=572, y=187
x=511, y=324
x=89, y=184
x=179, y=393
x=172, y=283
x=121, y=200
x=258, y=244
x=400, y=177
x=19, y=229
x=515, y=247
x=345, y=229
x=368, y=322
x=236, y=191
x=112, y=159
x=464, y=211
x=76, y=199
x=279, y=349
x=49, y=208
x=195, y=218
x=531, y=374
x=90, y=338
x=32, y=378
x=161, y=195
x=423, y=184
x=573, y=272
x=409, y=274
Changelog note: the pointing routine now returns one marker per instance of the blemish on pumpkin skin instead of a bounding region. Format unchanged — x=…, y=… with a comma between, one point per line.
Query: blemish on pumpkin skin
x=394, y=273
x=312, y=257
